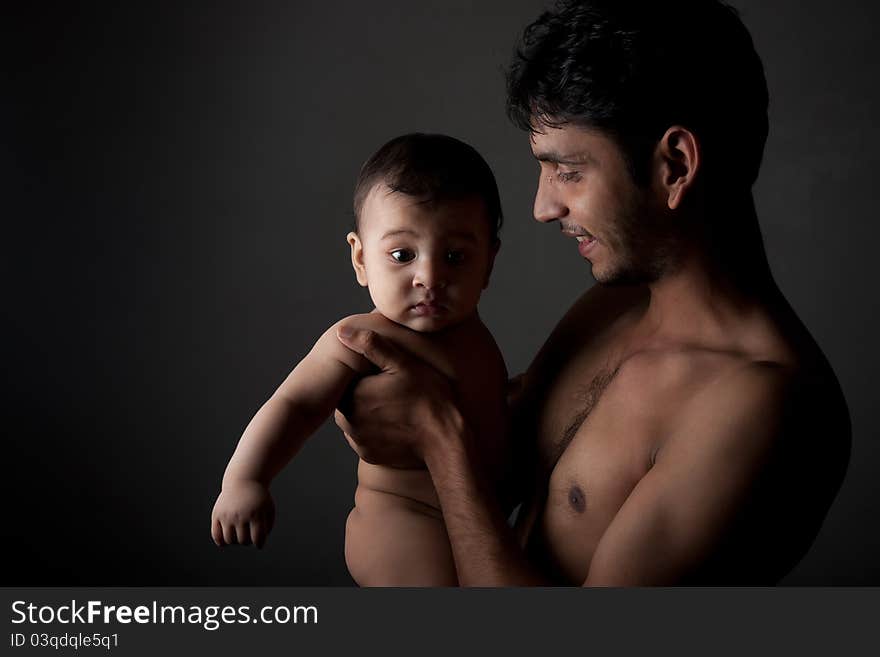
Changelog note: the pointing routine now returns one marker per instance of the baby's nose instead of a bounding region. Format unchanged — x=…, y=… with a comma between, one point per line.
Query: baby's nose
x=430, y=275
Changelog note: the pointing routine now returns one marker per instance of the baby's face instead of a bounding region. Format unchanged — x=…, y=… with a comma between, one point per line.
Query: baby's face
x=425, y=265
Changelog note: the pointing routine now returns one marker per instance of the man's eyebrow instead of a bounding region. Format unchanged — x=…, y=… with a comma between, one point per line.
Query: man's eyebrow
x=560, y=158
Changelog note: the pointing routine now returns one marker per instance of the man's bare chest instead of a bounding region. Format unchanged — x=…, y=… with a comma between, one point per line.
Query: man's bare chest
x=598, y=431
x=592, y=394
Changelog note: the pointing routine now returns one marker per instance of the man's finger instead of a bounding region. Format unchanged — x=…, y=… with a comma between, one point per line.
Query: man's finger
x=371, y=346
x=342, y=422
x=351, y=443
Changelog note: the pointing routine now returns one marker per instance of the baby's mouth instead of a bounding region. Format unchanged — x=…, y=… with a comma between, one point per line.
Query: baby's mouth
x=429, y=308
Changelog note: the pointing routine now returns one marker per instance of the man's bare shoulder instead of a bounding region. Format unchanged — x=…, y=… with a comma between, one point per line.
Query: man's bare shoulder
x=690, y=379
x=738, y=393
x=729, y=403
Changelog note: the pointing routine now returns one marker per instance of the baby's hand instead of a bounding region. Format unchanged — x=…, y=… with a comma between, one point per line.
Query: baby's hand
x=243, y=513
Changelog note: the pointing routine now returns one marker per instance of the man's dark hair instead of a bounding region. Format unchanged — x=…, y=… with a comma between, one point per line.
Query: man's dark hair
x=633, y=68
x=433, y=168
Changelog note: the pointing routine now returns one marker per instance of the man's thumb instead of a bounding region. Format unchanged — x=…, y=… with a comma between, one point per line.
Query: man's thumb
x=368, y=344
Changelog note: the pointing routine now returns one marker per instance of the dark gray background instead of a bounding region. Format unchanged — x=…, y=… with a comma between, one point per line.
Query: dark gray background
x=177, y=184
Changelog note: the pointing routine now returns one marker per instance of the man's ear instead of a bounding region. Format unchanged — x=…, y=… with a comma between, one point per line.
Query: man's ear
x=493, y=252
x=679, y=157
x=357, y=257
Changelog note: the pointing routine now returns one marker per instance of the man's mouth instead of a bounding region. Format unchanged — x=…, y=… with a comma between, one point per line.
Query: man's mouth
x=585, y=240
x=578, y=233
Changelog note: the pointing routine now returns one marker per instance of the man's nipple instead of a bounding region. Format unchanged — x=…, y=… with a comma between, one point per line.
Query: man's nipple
x=577, y=499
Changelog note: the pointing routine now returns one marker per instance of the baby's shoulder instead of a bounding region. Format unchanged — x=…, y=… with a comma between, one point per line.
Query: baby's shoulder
x=477, y=348
x=425, y=346
x=457, y=352
x=373, y=321
x=328, y=345
x=328, y=348
x=474, y=356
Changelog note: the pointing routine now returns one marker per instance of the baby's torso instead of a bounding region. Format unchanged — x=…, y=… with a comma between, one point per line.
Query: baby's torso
x=468, y=355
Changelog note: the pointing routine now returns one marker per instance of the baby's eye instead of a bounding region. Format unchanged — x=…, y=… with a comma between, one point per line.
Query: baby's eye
x=455, y=257
x=402, y=255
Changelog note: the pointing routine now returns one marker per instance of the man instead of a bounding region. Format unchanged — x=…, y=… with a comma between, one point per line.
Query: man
x=680, y=425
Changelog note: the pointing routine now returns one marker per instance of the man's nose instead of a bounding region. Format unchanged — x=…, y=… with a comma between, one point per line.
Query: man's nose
x=430, y=274
x=549, y=205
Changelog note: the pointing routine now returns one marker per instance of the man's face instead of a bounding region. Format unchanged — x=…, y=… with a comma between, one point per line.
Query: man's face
x=425, y=264
x=585, y=185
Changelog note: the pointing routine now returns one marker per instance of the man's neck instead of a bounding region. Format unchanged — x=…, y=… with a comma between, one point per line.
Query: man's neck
x=719, y=281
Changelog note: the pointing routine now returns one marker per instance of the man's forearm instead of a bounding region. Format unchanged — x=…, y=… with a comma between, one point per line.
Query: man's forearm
x=485, y=550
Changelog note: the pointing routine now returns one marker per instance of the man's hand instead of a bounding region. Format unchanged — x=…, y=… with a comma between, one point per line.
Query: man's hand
x=243, y=513
x=394, y=417
x=407, y=416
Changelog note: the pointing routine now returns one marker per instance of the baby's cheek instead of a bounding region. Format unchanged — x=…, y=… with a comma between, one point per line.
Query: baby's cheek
x=473, y=293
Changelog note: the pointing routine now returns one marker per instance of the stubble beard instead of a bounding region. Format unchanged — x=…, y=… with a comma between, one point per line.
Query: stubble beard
x=641, y=251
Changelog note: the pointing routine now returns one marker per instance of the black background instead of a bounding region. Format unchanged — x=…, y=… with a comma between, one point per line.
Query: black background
x=176, y=192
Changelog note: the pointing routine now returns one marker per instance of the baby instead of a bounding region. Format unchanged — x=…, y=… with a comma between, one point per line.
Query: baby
x=427, y=214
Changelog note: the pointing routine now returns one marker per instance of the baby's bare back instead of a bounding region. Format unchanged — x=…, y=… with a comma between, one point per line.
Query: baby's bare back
x=395, y=534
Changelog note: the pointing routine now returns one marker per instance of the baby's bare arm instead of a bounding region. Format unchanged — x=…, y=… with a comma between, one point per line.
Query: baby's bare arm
x=244, y=510
x=297, y=408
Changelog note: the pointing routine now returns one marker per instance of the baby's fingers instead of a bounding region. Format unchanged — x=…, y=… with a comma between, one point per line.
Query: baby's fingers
x=217, y=532
x=259, y=532
x=243, y=533
x=228, y=533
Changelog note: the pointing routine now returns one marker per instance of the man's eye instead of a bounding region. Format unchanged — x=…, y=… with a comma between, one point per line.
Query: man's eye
x=402, y=255
x=455, y=257
x=568, y=176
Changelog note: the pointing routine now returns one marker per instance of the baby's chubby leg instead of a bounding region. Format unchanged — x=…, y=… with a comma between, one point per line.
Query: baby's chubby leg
x=394, y=541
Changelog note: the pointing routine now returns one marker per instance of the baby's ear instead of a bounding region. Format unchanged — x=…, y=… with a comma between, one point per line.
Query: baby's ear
x=493, y=252
x=357, y=257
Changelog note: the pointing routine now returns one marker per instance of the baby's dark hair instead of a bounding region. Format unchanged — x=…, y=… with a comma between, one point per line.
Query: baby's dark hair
x=432, y=168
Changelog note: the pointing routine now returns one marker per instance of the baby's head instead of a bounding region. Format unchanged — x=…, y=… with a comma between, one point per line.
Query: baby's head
x=427, y=215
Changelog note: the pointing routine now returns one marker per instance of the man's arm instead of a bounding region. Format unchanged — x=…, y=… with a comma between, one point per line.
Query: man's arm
x=680, y=511
x=673, y=520
x=484, y=547
x=411, y=407
x=666, y=529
